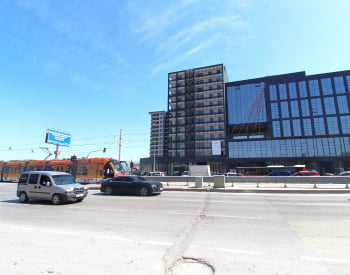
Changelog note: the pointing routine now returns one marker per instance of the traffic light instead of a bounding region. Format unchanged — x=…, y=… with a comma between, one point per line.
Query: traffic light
x=104, y=150
x=73, y=158
x=131, y=164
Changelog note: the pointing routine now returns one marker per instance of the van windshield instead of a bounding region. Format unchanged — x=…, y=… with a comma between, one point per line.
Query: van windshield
x=63, y=179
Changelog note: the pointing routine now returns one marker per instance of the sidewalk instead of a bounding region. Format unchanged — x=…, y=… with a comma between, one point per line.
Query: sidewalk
x=253, y=188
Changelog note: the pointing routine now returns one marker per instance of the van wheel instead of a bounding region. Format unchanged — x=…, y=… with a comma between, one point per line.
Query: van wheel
x=23, y=197
x=56, y=199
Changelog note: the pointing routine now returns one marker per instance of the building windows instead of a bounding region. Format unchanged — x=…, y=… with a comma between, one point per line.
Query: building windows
x=304, y=104
x=329, y=105
x=273, y=92
x=342, y=105
x=276, y=128
x=302, y=89
x=274, y=111
x=292, y=90
x=345, y=124
x=284, y=109
x=333, y=128
x=282, y=91
x=327, y=88
x=294, y=108
x=319, y=126
x=296, y=127
x=286, y=128
x=339, y=85
x=314, y=88
x=307, y=127
x=316, y=106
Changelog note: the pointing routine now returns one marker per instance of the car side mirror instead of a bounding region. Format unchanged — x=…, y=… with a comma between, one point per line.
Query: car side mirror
x=48, y=183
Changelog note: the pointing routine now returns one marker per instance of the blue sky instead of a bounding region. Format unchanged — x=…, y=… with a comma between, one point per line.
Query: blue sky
x=91, y=68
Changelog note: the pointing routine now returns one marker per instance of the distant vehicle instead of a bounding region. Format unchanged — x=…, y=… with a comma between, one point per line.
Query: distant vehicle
x=156, y=174
x=131, y=185
x=345, y=173
x=328, y=174
x=85, y=170
x=57, y=187
x=265, y=170
x=306, y=173
x=279, y=173
x=233, y=174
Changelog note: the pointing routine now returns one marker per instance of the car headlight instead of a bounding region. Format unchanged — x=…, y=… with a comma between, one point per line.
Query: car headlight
x=69, y=190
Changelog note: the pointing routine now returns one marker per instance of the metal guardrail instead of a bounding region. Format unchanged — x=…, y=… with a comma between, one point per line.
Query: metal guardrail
x=258, y=181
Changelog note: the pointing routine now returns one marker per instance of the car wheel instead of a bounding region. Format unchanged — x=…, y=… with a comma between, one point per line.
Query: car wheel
x=56, y=199
x=108, y=190
x=23, y=197
x=143, y=191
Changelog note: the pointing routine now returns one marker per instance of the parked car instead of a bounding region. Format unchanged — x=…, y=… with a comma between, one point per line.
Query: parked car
x=233, y=174
x=279, y=173
x=345, y=173
x=132, y=185
x=53, y=186
x=328, y=174
x=306, y=173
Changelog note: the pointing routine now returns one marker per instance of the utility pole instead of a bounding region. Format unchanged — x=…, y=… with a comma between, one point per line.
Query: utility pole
x=120, y=144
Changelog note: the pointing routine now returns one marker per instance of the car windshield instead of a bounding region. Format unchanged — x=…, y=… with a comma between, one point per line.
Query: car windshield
x=63, y=179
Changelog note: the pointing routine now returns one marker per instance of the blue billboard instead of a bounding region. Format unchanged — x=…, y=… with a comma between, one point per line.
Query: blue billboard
x=57, y=137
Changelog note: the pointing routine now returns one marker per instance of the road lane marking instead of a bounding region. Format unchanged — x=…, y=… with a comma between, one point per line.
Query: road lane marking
x=217, y=216
x=329, y=260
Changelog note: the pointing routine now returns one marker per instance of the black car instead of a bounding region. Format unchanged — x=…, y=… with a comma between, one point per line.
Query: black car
x=131, y=185
x=280, y=173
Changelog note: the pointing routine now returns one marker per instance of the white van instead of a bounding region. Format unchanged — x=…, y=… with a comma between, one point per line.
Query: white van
x=53, y=186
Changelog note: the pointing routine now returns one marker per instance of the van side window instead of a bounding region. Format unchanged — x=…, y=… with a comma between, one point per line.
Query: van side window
x=23, y=178
x=33, y=179
x=44, y=179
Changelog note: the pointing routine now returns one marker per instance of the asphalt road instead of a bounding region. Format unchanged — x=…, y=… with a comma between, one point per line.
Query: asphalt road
x=177, y=233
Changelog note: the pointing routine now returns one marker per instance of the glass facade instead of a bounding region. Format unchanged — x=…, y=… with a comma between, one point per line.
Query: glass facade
x=307, y=117
x=312, y=147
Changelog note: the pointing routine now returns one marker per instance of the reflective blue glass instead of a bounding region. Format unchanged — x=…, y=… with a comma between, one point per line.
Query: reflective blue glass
x=294, y=108
x=314, y=88
x=342, y=104
x=318, y=147
x=304, y=104
x=282, y=91
x=329, y=105
x=345, y=124
x=302, y=89
x=274, y=110
x=292, y=90
x=273, y=92
x=348, y=82
x=319, y=126
x=246, y=104
x=286, y=128
x=276, y=128
x=316, y=106
x=296, y=127
x=284, y=109
x=327, y=88
x=307, y=127
x=333, y=128
x=339, y=85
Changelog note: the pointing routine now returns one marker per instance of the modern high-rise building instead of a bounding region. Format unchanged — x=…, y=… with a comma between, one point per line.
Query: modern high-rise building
x=290, y=119
x=157, y=133
x=196, y=115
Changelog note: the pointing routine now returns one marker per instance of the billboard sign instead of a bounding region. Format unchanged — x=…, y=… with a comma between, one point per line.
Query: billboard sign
x=216, y=147
x=57, y=137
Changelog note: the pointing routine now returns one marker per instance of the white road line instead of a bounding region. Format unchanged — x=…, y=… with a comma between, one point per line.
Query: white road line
x=329, y=260
x=218, y=216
